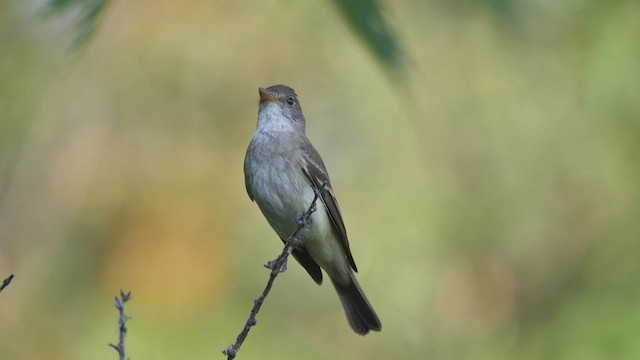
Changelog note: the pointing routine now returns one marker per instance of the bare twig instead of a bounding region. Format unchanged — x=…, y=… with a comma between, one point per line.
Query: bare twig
x=6, y=282
x=277, y=266
x=120, y=302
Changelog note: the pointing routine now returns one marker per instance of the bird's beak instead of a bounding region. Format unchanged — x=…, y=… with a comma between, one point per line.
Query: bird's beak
x=266, y=95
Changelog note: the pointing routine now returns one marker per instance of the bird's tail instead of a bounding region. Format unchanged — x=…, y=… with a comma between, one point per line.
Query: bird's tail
x=360, y=314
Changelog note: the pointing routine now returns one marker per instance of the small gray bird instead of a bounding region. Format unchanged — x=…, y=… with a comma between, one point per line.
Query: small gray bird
x=281, y=171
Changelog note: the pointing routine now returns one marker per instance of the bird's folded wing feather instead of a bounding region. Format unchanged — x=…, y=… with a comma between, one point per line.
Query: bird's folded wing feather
x=315, y=170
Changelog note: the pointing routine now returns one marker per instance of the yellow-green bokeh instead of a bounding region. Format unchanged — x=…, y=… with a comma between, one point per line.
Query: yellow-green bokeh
x=492, y=199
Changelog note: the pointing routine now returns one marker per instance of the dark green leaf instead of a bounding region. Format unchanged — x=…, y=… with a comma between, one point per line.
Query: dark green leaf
x=89, y=12
x=366, y=19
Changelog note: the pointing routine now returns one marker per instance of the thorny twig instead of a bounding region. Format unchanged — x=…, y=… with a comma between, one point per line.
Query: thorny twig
x=6, y=282
x=120, y=302
x=277, y=266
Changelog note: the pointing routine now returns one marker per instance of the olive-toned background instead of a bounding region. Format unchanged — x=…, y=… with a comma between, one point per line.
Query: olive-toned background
x=490, y=185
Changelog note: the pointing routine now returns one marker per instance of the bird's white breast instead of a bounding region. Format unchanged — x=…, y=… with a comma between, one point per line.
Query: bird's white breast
x=277, y=181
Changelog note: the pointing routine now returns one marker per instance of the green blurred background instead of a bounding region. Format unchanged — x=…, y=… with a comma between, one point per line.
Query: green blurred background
x=486, y=165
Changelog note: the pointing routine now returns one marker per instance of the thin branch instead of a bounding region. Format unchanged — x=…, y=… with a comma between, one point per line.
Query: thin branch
x=6, y=282
x=277, y=266
x=120, y=302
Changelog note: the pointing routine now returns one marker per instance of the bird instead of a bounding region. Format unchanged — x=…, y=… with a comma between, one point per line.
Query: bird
x=283, y=172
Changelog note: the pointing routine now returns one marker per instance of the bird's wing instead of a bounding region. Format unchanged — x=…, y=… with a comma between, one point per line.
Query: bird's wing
x=247, y=173
x=315, y=170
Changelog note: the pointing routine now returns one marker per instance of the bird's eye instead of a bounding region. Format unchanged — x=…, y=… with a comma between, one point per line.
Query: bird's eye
x=291, y=100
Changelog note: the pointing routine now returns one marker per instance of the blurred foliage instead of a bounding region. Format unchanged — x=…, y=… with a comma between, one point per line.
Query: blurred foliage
x=87, y=14
x=366, y=18
x=492, y=214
